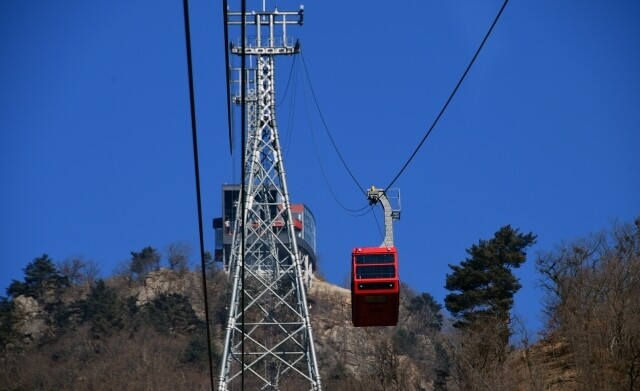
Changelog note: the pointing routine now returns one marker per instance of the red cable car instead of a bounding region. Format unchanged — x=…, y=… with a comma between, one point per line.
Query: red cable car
x=375, y=286
x=375, y=280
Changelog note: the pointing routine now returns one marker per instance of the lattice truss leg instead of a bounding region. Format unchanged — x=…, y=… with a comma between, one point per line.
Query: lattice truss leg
x=269, y=337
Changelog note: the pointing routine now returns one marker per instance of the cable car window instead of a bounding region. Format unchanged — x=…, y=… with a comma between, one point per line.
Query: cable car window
x=382, y=271
x=364, y=259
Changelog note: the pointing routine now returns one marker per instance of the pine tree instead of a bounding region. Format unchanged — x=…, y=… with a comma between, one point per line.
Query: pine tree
x=145, y=261
x=172, y=313
x=42, y=281
x=482, y=289
x=483, y=285
x=104, y=309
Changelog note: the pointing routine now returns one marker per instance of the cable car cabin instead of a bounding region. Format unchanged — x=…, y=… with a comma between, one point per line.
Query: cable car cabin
x=375, y=286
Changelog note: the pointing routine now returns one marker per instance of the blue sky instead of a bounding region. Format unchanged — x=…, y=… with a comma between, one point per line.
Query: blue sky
x=95, y=142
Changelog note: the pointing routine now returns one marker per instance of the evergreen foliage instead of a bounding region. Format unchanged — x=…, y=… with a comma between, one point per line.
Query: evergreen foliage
x=42, y=281
x=483, y=285
x=442, y=367
x=482, y=289
x=196, y=352
x=145, y=261
x=171, y=313
x=5, y=320
x=592, y=337
x=104, y=309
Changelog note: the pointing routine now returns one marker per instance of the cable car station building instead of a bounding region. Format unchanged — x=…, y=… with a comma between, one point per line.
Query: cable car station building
x=225, y=226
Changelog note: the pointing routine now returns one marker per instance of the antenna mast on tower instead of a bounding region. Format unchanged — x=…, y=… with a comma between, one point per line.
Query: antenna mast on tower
x=269, y=343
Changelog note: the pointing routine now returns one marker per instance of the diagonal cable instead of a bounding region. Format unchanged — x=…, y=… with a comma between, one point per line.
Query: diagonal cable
x=444, y=108
x=194, y=135
x=322, y=169
x=335, y=147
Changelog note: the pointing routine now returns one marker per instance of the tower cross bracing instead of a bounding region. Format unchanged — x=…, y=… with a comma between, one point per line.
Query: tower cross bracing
x=269, y=342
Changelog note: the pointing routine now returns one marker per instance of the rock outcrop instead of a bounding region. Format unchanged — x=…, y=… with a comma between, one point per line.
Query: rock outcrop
x=29, y=319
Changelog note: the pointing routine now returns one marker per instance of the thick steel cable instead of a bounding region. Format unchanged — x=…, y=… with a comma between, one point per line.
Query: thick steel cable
x=196, y=165
x=319, y=159
x=243, y=128
x=444, y=108
x=286, y=88
x=335, y=147
x=228, y=71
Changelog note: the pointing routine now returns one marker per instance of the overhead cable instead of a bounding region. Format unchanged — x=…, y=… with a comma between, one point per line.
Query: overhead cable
x=335, y=147
x=194, y=135
x=433, y=125
x=243, y=127
x=228, y=71
x=286, y=88
x=322, y=170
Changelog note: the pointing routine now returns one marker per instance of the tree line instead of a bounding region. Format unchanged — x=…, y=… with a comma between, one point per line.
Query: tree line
x=592, y=308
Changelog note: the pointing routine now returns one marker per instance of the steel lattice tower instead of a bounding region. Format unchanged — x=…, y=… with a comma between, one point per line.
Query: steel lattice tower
x=269, y=343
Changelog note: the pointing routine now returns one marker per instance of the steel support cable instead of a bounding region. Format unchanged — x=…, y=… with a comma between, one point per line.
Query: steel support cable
x=292, y=107
x=286, y=88
x=444, y=108
x=228, y=72
x=243, y=127
x=380, y=230
x=335, y=147
x=194, y=135
x=322, y=170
